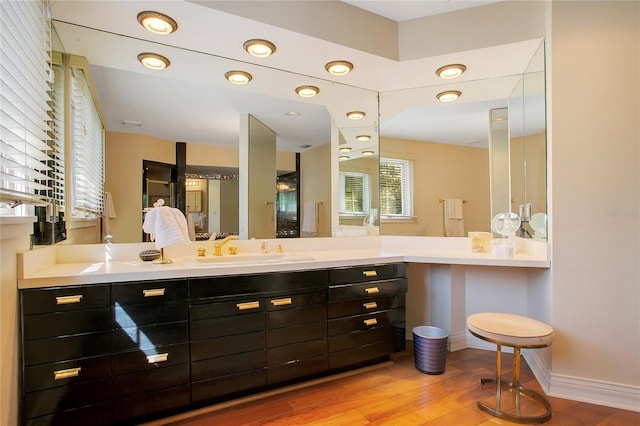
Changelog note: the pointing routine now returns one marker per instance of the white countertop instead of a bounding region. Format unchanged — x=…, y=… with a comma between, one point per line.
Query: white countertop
x=73, y=265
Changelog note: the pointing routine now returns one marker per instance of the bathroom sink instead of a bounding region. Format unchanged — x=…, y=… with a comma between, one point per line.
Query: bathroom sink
x=250, y=258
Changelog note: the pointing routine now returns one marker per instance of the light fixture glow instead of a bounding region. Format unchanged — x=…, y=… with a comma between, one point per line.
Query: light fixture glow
x=259, y=48
x=307, y=91
x=451, y=71
x=345, y=149
x=356, y=115
x=157, y=23
x=343, y=157
x=367, y=153
x=448, y=96
x=153, y=61
x=363, y=138
x=238, y=77
x=339, y=67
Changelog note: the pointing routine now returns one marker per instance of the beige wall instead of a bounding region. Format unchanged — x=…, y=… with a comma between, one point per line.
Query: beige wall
x=315, y=185
x=595, y=196
x=442, y=171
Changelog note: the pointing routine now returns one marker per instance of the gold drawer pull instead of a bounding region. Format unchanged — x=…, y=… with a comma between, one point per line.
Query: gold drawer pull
x=248, y=305
x=371, y=321
x=282, y=302
x=66, y=300
x=152, y=359
x=153, y=292
x=370, y=305
x=372, y=290
x=370, y=273
x=66, y=374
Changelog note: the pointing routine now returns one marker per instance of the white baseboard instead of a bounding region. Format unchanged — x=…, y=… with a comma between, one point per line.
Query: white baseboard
x=457, y=341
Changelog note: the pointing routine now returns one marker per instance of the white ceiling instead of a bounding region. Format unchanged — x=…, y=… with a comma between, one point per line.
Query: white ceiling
x=191, y=101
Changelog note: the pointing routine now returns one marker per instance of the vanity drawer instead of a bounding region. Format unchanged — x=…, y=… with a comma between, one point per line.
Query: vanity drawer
x=236, y=363
x=66, y=348
x=296, y=333
x=280, y=303
x=61, y=299
x=148, y=314
x=296, y=351
x=355, y=274
x=360, y=355
x=305, y=315
x=360, y=338
x=365, y=305
x=227, y=386
x=227, y=345
x=229, y=308
x=297, y=369
x=143, y=292
x=156, y=359
x=78, y=395
x=99, y=414
x=42, y=326
x=151, y=336
x=226, y=326
x=365, y=321
x=47, y=376
x=149, y=381
x=391, y=287
x=145, y=404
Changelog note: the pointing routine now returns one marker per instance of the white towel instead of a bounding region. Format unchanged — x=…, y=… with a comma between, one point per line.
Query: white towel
x=310, y=218
x=191, y=227
x=167, y=225
x=453, y=218
x=109, y=213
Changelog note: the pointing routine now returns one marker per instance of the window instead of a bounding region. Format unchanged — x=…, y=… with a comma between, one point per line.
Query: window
x=354, y=195
x=396, y=188
x=25, y=74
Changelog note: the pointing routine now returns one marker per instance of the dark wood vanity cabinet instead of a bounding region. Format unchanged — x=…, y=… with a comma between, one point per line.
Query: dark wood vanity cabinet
x=364, y=304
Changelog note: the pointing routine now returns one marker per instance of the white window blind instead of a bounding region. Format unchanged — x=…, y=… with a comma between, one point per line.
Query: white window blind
x=87, y=150
x=354, y=193
x=56, y=139
x=396, y=187
x=25, y=38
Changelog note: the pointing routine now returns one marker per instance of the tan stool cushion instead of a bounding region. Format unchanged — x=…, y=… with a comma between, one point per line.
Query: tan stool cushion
x=510, y=330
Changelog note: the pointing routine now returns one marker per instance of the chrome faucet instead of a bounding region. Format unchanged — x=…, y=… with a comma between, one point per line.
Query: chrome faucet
x=217, y=247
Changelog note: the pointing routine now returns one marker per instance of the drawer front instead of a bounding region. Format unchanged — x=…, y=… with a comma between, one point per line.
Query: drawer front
x=365, y=305
x=157, y=402
x=99, y=415
x=205, y=288
x=149, y=381
x=42, y=326
x=356, y=274
x=226, y=326
x=227, y=345
x=296, y=351
x=339, y=293
x=365, y=321
x=228, y=385
x=149, y=337
x=66, y=373
x=295, y=301
x=360, y=355
x=360, y=338
x=305, y=315
x=157, y=359
x=216, y=367
x=66, y=348
x=298, y=333
x=66, y=397
x=61, y=299
x=148, y=314
x=297, y=369
x=133, y=293
x=225, y=309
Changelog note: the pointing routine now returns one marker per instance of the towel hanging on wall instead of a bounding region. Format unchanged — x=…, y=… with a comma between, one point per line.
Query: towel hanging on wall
x=310, y=218
x=453, y=218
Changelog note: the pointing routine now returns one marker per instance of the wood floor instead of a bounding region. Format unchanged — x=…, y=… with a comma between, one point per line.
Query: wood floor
x=398, y=394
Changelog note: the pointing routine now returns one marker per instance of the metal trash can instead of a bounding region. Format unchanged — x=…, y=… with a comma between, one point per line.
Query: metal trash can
x=430, y=349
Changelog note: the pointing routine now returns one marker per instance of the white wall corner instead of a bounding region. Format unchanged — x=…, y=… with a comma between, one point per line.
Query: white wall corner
x=615, y=395
x=458, y=341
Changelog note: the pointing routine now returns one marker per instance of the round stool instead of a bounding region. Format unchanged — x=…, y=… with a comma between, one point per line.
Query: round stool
x=517, y=332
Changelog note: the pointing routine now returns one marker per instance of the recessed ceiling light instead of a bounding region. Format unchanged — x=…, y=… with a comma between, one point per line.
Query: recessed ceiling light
x=238, y=77
x=451, y=71
x=345, y=149
x=153, y=61
x=367, y=153
x=356, y=115
x=343, y=157
x=363, y=138
x=293, y=113
x=448, y=96
x=339, y=67
x=470, y=141
x=307, y=91
x=259, y=48
x=157, y=23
